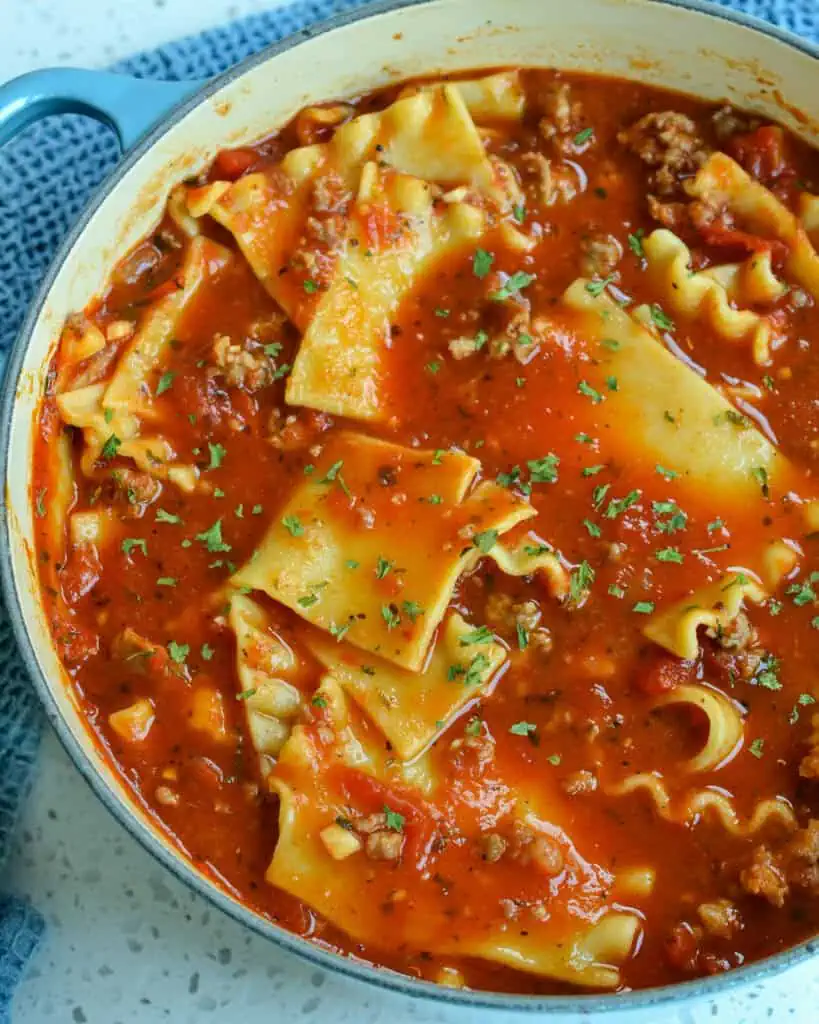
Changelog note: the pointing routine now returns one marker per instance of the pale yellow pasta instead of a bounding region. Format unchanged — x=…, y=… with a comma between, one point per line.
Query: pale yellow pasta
x=725, y=725
x=714, y=607
x=498, y=97
x=527, y=557
x=264, y=667
x=675, y=417
x=582, y=942
x=410, y=708
x=722, y=183
x=751, y=282
x=340, y=363
x=707, y=804
x=702, y=295
x=385, y=588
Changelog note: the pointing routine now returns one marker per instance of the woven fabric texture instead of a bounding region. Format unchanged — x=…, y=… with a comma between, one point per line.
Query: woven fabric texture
x=46, y=176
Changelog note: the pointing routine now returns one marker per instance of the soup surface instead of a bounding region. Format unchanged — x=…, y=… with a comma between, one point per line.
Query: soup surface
x=425, y=517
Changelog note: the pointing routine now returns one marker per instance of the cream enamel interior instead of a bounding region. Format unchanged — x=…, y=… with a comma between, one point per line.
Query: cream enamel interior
x=640, y=39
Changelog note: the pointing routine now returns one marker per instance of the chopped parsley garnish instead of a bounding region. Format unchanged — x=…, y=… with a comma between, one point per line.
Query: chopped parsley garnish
x=390, y=615
x=611, y=383
x=619, y=505
x=395, y=821
x=584, y=439
x=178, y=652
x=523, y=728
x=433, y=367
x=760, y=474
x=583, y=136
x=581, y=578
x=482, y=262
x=166, y=581
x=442, y=313
x=593, y=528
x=802, y=700
x=661, y=319
x=167, y=517
x=584, y=388
x=715, y=524
x=485, y=540
x=677, y=518
x=616, y=591
x=130, y=543
x=635, y=243
x=599, y=285
x=217, y=455
x=481, y=635
x=553, y=759
x=165, y=382
x=670, y=555
x=592, y=470
x=473, y=726
x=247, y=694
x=803, y=593
x=643, y=607
x=40, y=502
x=212, y=538
x=774, y=606
x=333, y=475
x=412, y=609
x=206, y=651
x=307, y=601
x=544, y=471
x=310, y=286
x=281, y=371
x=666, y=474
x=273, y=349
x=437, y=456
x=514, y=283
x=256, y=510
x=110, y=448
x=382, y=567
x=320, y=701
x=293, y=525
x=477, y=667
x=519, y=213
x=599, y=494
x=523, y=637
x=339, y=631
x=768, y=382
x=767, y=673
x=756, y=748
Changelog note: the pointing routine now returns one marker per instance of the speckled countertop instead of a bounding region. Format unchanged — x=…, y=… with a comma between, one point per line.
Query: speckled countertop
x=127, y=943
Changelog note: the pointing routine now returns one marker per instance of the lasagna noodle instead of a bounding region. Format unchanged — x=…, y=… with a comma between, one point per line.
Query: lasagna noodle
x=582, y=941
x=703, y=295
x=385, y=588
x=264, y=667
x=675, y=415
x=490, y=98
x=694, y=806
x=723, y=184
x=121, y=406
x=411, y=709
x=724, y=730
x=714, y=606
x=393, y=234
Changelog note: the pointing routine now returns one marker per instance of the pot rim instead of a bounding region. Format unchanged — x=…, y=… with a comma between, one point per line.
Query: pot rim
x=125, y=813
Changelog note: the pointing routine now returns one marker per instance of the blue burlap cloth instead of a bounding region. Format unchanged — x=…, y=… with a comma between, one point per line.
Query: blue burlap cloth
x=46, y=176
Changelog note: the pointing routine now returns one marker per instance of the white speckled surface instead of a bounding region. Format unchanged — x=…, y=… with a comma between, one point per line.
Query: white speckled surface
x=127, y=943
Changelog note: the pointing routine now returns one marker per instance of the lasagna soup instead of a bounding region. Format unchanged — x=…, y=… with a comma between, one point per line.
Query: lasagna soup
x=426, y=521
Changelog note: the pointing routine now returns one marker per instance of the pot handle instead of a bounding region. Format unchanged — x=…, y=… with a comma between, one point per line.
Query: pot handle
x=131, y=106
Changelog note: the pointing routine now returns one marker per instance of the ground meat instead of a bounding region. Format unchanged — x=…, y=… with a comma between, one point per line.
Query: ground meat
x=506, y=615
x=670, y=144
x=386, y=845
x=578, y=783
x=809, y=765
x=554, y=181
x=493, y=847
x=298, y=430
x=601, y=254
x=801, y=857
x=682, y=947
x=539, y=167
x=728, y=122
x=737, y=635
x=131, y=491
x=763, y=877
x=719, y=918
x=241, y=368
x=562, y=117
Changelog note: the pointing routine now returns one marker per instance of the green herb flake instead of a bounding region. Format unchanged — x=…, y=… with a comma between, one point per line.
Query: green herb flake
x=473, y=726
x=206, y=651
x=319, y=701
x=412, y=610
x=256, y=510
x=395, y=821
x=716, y=524
x=593, y=528
x=433, y=367
x=485, y=541
x=167, y=517
x=480, y=635
x=339, y=631
x=293, y=525
x=130, y=543
x=519, y=212
x=515, y=282
x=760, y=474
x=554, y=759
x=803, y=700
x=482, y=263
x=584, y=388
x=40, y=502
x=166, y=581
x=212, y=538
x=310, y=286
x=616, y=591
x=110, y=448
x=670, y=555
x=592, y=470
x=599, y=285
x=757, y=748
x=307, y=601
x=643, y=607
x=619, y=505
x=635, y=243
x=165, y=383
x=544, y=471
x=217, y=455
x=383, y=567
x=390, y=615
x=178, y=652
x=273, y=349
x=660, y=319
x=583, y=136
x=523, y=728
x=580, y=580
x=523, y=637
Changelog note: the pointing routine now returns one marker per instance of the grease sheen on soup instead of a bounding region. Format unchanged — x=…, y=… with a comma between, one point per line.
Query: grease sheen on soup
x=426, y=520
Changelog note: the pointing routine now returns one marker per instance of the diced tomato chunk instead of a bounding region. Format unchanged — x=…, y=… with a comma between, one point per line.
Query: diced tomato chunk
x=659, y=672
x=742, y=242
x=233, y=163
x=761, y=153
